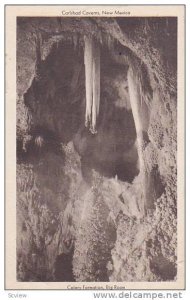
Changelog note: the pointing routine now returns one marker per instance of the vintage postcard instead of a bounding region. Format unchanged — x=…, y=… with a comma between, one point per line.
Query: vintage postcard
x=95, y=147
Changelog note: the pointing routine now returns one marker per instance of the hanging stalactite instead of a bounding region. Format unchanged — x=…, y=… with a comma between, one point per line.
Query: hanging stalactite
x=96, y=85
x=92, y=82
x=88, y=78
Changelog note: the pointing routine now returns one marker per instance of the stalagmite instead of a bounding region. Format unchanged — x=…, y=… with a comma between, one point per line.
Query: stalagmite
x=92, y=82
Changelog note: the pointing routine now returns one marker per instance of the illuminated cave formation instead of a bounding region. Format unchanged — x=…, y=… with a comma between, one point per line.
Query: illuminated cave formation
x=92, y=82
x=69, y=97
x=96, y=138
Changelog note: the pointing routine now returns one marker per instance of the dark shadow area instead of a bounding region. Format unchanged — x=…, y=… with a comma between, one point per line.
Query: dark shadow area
x=56, y=101
x=41, y=141
x=63, y=268
x=155, y=187
x=163, y=268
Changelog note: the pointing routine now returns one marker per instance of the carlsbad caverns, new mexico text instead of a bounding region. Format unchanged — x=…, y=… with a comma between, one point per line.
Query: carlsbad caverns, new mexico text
x=96, y=149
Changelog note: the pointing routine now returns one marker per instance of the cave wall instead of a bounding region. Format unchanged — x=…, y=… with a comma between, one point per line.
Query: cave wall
x=54, y=178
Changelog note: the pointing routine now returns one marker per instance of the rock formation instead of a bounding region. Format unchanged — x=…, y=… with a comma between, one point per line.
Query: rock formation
x=101, y=197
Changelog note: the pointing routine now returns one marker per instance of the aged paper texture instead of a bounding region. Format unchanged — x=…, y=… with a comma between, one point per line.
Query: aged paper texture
x=95, y=147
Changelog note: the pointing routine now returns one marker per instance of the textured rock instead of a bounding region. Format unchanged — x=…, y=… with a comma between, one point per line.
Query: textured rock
x=65, y=209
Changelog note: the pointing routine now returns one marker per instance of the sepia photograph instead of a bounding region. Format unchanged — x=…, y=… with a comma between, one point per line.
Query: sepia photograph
x=97, y=196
